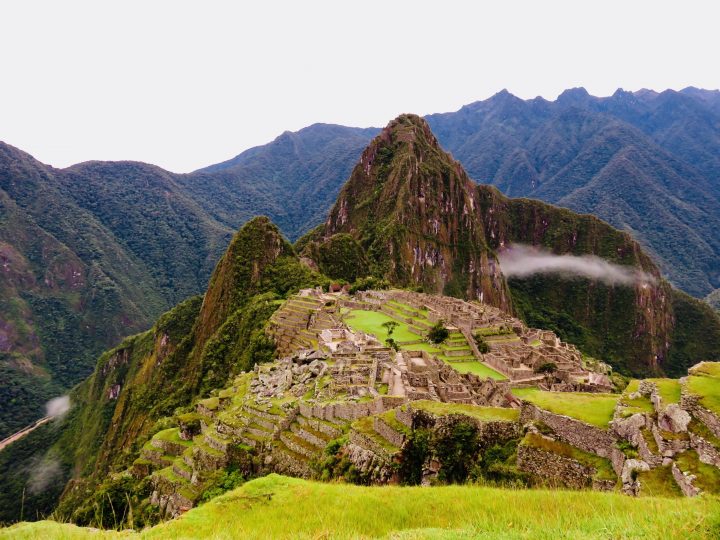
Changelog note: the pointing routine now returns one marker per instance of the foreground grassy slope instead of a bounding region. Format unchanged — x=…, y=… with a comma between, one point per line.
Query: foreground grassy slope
x=281, y=507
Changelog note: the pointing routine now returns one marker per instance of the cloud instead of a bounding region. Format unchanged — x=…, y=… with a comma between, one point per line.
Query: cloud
x=42, y=474
x=525, y=261
x=57, y=406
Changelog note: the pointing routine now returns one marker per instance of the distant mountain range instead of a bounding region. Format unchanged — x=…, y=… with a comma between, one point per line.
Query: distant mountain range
x=98, y=250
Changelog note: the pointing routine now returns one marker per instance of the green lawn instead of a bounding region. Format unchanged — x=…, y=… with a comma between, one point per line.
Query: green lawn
x=669, y=390
x=658, y=482
x=594, y=409
x=708, y=476
x=478, y=368
x=641, y=404
x=281, y=507
x=371, y=322
x=171, y=435
x=704, y=381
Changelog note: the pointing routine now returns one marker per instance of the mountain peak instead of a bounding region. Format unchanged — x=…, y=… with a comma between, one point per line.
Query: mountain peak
x=573, y=96
x=408, y=128
x=410, y=206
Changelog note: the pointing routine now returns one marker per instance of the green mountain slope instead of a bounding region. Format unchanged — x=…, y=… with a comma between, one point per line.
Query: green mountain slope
x=405, y=197
x=90, y=254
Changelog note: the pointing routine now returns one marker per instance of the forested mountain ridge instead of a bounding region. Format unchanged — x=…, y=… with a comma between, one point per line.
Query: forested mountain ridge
x=645, y=162
x=90, y=254
x=410, y=213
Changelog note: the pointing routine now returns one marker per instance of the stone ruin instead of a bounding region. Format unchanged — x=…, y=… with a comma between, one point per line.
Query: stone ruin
x=516, y=351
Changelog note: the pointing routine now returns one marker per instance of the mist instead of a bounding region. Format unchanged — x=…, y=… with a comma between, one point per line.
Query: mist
x=524, y=261
x=42, y=474
x=57, y=406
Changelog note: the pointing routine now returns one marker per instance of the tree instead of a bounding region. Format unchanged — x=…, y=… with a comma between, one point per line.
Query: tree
x=482, y=345
x=390, y=326
x=548, y=367
x=392, y=344
x=438, y=333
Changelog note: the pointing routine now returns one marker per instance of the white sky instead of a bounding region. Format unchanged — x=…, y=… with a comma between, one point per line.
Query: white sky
x=187, y=84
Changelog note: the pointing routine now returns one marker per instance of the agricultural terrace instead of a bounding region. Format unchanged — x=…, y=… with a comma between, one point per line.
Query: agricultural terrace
x=455, y=350
x=704, y=381
x=593, y=409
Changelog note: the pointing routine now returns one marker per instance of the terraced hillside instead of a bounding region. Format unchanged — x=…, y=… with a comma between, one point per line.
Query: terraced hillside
x=341, y=404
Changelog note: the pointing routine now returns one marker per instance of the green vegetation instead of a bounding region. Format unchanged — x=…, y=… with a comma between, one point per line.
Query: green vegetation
x=281, y=507
x=438, y=333
x=704, y=382
x=547, y=367
x=696, y=337
x=482, y=345
x=479, y=369
x=658, y=482
x=372, y=322
x=640, y=404
x=669, y=390
x=707, y=476
x=594, y=409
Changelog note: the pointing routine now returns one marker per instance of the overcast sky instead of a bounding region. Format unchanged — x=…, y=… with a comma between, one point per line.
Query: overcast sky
x=187, y=84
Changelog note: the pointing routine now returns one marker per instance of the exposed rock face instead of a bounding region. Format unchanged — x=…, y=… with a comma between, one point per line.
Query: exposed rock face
x=674, y=419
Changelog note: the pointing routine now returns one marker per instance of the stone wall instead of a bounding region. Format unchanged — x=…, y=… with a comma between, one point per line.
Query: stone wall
x=706, y=452
x=574, y=432
x=554, y=469
x=684, y=482
x=388, y=432
x=692, y=404
x=350, y=411
x=363, y=441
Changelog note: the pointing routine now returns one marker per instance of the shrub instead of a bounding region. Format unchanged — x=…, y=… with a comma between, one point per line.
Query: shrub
x=392, y=344
x=438, y=333
x=482, y=345
x=547, y=367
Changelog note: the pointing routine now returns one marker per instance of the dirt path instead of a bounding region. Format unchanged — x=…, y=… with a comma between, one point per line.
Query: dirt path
x=20, y=434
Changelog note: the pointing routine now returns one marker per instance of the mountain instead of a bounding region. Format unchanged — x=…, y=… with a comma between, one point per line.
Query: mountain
x=190, y=350
x=293, y=180
x=406, y=196
x=419, y=220
x=97, y=251
x=89, y=255
x=645, y=162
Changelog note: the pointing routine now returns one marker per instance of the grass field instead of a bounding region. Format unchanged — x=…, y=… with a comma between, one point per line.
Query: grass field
x=479, y=369
x=704, y=381
x=594, y=409
x=371, y=322
x=669, y=390
x=281, y=507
